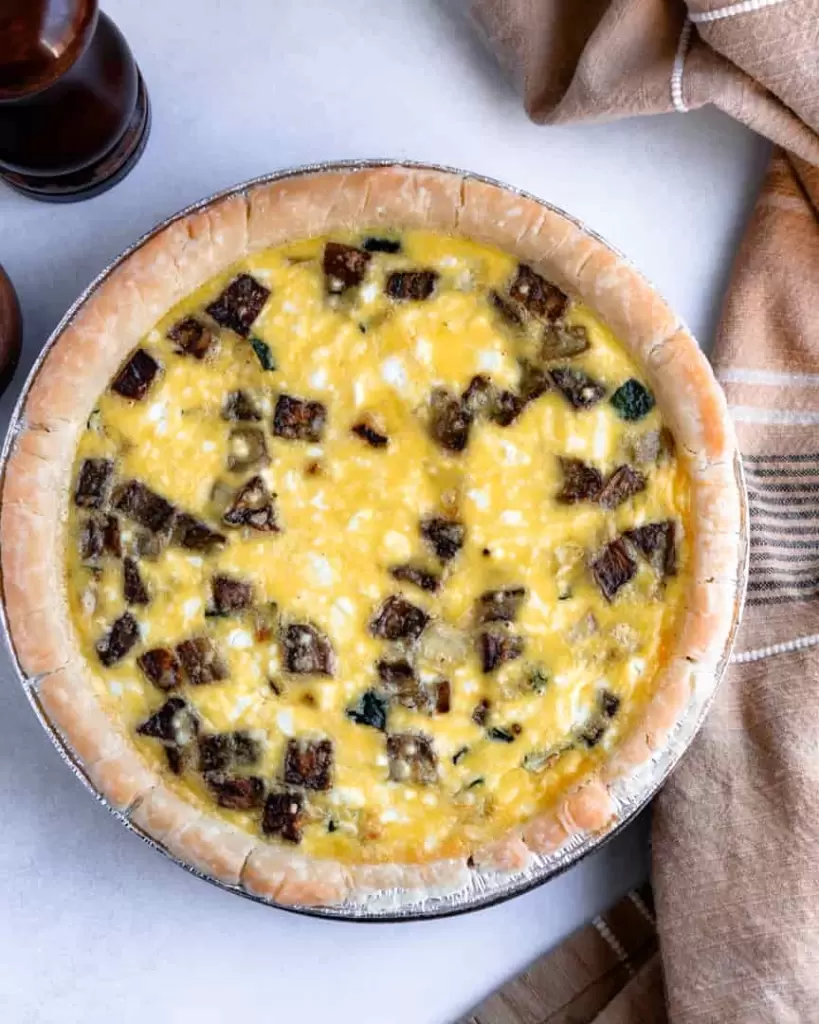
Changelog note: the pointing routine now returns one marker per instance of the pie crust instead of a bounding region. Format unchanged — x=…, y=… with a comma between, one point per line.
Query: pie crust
x=126, y=303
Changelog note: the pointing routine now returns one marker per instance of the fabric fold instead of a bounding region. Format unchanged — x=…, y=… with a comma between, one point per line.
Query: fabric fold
x=604, y=59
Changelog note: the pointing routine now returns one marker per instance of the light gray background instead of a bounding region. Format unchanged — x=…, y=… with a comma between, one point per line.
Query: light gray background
x=94, y=926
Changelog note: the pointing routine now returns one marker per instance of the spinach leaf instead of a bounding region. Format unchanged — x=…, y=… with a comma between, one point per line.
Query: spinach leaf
x=263, y=353
x=500, y=735
x=632, y=401
x=370, y=709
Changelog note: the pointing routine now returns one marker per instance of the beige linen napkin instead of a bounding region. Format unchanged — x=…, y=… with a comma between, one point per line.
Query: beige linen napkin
x=736, y=829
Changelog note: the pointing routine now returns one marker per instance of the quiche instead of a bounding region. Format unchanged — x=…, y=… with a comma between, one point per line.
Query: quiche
x=364, y=529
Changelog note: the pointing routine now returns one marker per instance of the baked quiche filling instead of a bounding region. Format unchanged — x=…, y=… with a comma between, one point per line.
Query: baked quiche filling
x=377, y=545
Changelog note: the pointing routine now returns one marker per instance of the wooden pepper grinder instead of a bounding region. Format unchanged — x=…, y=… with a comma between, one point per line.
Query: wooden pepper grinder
x=11, y=329
x=74, y=111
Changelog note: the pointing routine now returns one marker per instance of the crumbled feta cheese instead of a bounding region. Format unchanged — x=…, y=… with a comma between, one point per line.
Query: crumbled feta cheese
x=637, y=666
x=318, y=379
x=240, y=706
x=489, y=360
x=389, y=815
x=326, y=697
x=575, y=443
x=511, y=517
x=513, y=456
x=339, y=623
x=191, y=607
x=479, y=498
x=284, y=721
x=240, y=639
x=348, y=795
x=423, y=350
x=369, y=292
x=357, y=518
x=322, y=570
x=579, y=710
x=394, y=372
x=397, y=544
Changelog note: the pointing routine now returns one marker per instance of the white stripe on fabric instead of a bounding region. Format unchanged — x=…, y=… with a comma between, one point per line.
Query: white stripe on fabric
x=608, y=936
x=753, y=414
x=800, y=644
x=776, y=378
x=639, y=903
x=678, y=66
x=732, y=10
x=781, y=577
x=774, y=482
x=772, y=561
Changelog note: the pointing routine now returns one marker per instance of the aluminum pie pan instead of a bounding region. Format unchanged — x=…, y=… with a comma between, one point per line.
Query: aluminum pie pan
x=485, y=888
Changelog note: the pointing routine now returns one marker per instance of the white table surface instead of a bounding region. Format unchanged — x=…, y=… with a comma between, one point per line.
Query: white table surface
x=94, y=926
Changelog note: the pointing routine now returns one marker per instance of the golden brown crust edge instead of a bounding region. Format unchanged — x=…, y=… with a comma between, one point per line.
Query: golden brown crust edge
x=35, y=493
x=127, y=304
x=174, y=263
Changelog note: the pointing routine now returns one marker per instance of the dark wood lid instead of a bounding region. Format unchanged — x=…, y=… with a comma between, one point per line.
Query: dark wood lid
x=11, y=330
x=40, y=40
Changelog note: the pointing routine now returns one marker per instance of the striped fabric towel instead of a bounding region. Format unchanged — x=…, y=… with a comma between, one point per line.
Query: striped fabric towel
x=610, y=968
x=736, y=830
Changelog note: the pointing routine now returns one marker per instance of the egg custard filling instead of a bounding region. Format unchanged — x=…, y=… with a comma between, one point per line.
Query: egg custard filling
x=378, y=545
